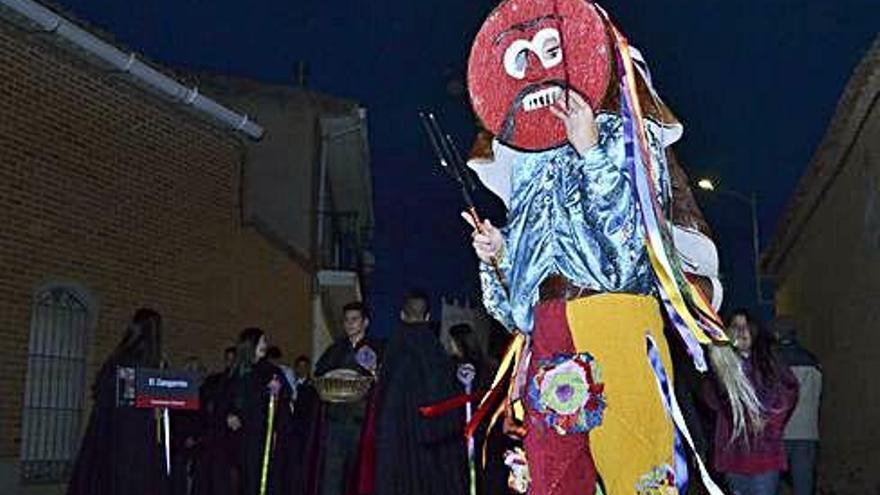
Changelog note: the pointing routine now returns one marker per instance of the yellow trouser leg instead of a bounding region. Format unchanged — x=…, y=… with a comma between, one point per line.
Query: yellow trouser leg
x=636, y=434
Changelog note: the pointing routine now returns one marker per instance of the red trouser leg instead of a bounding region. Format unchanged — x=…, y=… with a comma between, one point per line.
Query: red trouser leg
x=558, y=464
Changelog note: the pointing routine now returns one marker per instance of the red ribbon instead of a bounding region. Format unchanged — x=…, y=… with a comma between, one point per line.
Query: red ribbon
x=443, y=407
x=488, y=403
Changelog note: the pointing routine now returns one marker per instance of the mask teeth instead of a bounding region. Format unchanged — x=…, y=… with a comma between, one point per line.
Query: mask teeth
x=541, y=99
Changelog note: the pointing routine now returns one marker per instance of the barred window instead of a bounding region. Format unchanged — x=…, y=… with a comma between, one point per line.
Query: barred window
x=55, y=387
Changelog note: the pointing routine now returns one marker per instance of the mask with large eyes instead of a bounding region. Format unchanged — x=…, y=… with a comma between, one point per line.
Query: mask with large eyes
x=525, y=55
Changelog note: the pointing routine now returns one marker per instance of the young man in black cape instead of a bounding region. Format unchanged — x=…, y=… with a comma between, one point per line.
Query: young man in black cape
x=335, y=437
x=415, y=454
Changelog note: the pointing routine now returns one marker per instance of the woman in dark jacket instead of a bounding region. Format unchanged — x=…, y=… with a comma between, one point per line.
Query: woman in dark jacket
x=752, y=463
x=121, y=453
x=252, y=380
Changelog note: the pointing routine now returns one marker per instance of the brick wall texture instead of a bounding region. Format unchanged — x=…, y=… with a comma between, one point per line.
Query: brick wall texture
x=107, y=186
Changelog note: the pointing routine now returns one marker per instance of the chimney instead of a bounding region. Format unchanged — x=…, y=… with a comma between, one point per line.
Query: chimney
x=301, y=74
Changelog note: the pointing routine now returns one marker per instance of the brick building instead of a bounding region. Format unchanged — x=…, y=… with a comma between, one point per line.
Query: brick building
x=113, y=197
x=825, y=259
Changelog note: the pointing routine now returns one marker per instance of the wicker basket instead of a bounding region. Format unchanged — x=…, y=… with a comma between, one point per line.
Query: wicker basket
x=343, y=385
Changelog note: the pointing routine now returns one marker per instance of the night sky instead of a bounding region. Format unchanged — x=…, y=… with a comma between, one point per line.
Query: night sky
x=754, y=81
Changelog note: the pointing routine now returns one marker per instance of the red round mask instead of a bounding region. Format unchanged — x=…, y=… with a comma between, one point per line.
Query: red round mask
x=526, y=53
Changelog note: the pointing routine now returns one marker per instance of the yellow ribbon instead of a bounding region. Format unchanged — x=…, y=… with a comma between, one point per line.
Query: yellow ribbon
x=706, y=313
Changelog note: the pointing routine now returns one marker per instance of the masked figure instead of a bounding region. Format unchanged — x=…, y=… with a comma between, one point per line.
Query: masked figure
x=590, y=259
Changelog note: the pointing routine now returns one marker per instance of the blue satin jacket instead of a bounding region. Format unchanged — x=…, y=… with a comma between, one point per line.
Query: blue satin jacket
x=575, y=216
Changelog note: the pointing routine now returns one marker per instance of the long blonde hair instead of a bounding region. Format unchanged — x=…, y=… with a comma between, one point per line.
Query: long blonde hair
x=746, y=411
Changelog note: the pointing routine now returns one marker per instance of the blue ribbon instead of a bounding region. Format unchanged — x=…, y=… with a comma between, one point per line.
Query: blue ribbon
x=681, y=467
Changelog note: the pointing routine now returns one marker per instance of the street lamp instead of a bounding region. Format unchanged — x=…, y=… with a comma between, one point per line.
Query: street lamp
x=751, y=200
x=706, y=185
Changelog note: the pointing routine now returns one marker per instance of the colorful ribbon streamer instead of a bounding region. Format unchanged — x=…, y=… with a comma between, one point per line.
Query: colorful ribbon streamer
x=509, y=362
x=672, y=407
x=681, y=469
x=692, y=316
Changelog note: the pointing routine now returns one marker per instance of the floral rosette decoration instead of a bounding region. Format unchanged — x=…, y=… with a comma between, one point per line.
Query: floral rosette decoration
x=660, y=481
x=567, y=393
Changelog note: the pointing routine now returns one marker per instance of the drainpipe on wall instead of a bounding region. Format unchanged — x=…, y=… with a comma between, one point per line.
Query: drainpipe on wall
x=128, y=62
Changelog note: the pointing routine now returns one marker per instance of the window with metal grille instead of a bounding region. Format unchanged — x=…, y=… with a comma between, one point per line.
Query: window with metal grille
x=55, y=387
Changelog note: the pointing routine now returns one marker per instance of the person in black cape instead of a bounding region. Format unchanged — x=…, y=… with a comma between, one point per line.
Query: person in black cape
x=246, y=411
x=187, y=437
x=468, y=351
x=416, y=454
x=215, y=473
x=334, y=450
x=121, y=453
x=306, y=402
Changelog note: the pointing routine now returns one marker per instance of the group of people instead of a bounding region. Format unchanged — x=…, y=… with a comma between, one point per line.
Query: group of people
x=399, y=438
x=385, y=442
x=216, y=449
x=382, y=443
x=377, y=442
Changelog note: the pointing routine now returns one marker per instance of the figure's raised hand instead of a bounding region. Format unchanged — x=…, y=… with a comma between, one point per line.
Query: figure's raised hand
x=487, y=241
x=579, y=120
